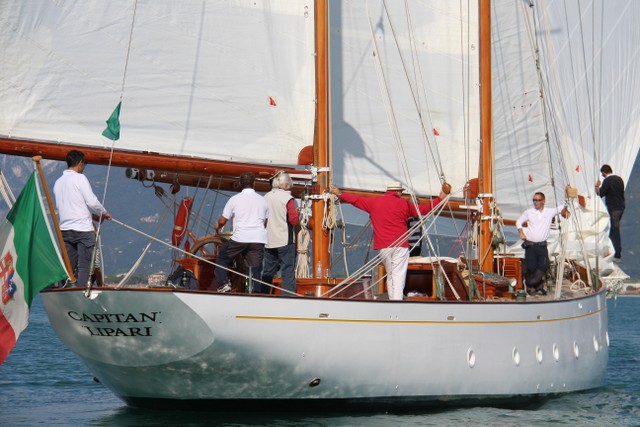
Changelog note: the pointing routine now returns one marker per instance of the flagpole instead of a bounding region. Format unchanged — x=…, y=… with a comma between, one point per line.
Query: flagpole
x=56, y=224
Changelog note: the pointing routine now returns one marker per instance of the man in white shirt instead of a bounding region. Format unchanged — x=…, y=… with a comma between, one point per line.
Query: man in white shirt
x=249, y=211
x=77, y=205
x=536, y=256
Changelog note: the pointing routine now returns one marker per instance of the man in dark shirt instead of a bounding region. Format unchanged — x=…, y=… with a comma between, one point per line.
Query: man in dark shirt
x=612, y=189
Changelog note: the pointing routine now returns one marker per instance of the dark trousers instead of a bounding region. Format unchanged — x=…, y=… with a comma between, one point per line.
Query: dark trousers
x=536, y=259
x=415, y=250
x=614, y=232
x=79, y=245
x=283, y=258
x=252, y=253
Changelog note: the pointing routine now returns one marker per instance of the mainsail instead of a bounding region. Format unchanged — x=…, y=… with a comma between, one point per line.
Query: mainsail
x=405, y=100
x=190, y=82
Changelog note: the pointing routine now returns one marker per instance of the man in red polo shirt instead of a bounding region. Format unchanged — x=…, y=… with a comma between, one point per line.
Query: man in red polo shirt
x=389, y=217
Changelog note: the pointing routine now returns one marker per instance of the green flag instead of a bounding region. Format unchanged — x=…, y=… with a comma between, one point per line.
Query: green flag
x=113, y=124
x=29, y=262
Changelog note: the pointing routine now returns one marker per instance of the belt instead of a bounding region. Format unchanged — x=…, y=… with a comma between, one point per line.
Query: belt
x=537, y=243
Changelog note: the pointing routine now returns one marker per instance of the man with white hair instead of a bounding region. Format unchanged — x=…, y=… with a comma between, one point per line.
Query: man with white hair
x=390, y=214
x=280, y=250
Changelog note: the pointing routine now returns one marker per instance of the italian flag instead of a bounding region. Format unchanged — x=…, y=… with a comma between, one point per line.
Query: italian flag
x=29, y=262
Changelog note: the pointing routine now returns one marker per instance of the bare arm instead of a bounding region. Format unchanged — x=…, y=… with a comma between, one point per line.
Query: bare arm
x=220, y=222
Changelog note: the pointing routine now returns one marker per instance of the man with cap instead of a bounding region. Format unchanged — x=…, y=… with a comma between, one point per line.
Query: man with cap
x=390, y=214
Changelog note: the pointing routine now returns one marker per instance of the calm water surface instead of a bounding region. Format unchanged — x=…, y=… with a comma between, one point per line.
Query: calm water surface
x=42, y=383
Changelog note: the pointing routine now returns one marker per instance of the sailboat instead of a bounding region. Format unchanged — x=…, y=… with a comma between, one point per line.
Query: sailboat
x=498, y=98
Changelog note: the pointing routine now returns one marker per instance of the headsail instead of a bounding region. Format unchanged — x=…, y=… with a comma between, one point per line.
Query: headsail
x=558, y=124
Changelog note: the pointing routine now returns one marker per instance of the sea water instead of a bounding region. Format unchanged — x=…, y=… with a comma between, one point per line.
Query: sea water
x=42, y=383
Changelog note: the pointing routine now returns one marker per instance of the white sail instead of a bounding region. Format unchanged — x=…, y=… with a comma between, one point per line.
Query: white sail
x=405, y=96
x=553, y=125
x=593, y=80
x=192, y=75
x=557, y=125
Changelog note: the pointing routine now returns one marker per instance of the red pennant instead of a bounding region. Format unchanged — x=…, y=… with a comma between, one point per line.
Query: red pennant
x=435, y=132
x=272, y=101
x=577, y=168
x=530, y=178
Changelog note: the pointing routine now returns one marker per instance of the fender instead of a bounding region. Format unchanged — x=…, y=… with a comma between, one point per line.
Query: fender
x=181, y=223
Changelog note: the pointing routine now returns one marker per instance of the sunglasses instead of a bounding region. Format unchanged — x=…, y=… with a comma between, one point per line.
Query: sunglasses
x=538, y=200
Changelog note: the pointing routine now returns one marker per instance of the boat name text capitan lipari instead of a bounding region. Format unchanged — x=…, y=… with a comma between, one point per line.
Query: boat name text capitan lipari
x=115, y=319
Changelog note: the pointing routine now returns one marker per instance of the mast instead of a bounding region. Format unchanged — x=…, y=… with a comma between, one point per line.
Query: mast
x=320, y=239
x=485, y=179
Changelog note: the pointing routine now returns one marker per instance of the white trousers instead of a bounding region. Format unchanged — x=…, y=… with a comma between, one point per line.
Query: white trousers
x=395, y=261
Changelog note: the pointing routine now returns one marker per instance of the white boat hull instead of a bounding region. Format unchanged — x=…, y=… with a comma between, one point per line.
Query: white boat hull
x=149, y=346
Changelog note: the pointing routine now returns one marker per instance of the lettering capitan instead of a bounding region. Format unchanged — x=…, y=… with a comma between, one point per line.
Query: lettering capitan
x=119, y=324
x=114, y=317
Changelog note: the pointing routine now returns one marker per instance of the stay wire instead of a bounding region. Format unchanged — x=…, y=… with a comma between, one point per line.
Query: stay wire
x=113, y=141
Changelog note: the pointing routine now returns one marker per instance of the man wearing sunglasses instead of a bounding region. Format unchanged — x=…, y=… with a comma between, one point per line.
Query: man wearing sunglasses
x=538, y=220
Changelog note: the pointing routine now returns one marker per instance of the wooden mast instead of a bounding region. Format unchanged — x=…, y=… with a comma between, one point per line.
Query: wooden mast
x=485, y=179
x=320, y=239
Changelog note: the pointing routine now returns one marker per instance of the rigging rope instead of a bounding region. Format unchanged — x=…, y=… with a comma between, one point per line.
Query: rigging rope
x=435, y=157
x=304, y=237
x=546, y=88
x=389, y=109
x=329, y=214
x=136, y=264
x=5, y=189
x=205, y=260
x=113, y=141
x=564, y=233
x=369, y=266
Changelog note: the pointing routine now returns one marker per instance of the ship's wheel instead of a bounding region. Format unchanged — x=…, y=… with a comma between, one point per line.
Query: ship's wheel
x=208, y=247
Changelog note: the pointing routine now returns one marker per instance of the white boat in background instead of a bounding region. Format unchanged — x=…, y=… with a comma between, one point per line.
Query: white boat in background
x=356, y=93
